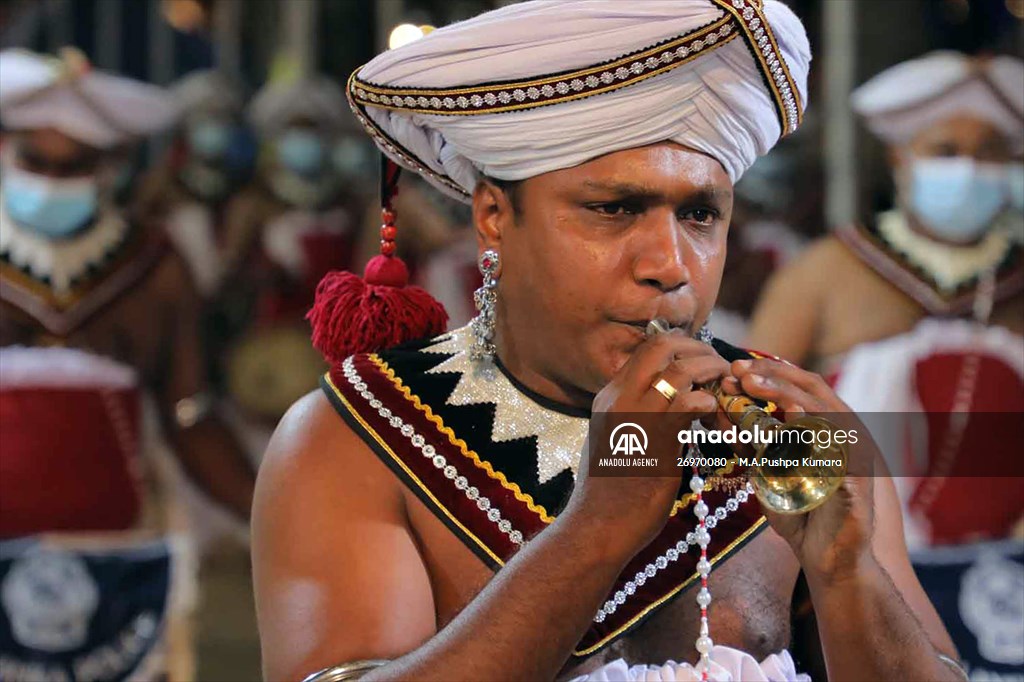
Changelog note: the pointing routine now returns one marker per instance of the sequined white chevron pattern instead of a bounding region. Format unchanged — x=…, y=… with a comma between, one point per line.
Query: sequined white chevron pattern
x=559, y=436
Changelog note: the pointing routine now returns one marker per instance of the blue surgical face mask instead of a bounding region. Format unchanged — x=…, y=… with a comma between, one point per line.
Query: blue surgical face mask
x=301, y=151
x=353, y=158
x=210, y=139
x=1015, y=180
x=52, y=207
x=956, y=198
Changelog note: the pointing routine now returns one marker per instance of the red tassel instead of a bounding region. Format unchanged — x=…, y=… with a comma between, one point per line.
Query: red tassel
x=353, y=315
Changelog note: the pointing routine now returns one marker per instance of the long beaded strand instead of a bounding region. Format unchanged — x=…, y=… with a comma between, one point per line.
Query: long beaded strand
x=700, y=509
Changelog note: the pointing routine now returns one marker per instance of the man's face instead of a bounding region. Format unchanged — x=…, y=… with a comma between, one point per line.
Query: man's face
x=52, y=153
x=961, y=135
x=596, y=251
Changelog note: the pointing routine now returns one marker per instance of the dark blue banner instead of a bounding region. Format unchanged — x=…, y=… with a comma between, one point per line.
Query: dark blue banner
x=978, y=591
x=72, y=615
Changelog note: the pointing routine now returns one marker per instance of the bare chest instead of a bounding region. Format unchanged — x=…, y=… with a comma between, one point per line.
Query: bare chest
x=752, y=594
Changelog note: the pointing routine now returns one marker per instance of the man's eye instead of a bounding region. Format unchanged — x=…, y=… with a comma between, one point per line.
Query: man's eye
x=704, y=216
x=945, y=150
x=614, y=209
x=30, y=162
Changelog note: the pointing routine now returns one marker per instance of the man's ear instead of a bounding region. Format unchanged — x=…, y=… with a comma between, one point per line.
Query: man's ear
x=492, y=214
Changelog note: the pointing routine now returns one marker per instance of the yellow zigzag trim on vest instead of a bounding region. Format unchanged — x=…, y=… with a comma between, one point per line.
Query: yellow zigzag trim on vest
x=459, y=443
x=525, y=498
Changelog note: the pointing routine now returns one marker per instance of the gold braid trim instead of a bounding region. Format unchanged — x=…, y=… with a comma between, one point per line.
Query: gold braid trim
x=750, y=17
x=496, y=98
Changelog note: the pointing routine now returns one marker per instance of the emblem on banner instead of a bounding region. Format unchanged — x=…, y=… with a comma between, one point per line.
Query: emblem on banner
x=991, y=607
x=50, y=598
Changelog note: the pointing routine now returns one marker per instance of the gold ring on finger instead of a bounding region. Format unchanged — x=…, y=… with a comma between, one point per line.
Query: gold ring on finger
x=667, y=390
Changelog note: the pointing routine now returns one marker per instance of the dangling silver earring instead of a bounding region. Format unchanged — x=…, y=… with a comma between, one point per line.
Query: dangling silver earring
x=486, y=299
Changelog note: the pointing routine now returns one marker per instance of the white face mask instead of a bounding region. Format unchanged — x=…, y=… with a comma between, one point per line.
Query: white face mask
x=956, y=198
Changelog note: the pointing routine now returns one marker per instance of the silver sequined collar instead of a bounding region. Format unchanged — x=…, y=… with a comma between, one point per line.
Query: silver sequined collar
x=517, y=415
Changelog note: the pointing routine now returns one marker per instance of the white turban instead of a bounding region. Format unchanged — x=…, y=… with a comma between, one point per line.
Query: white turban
x=279, y=103
x=909, y=97
x=555, y=83
x=92, y=107
x=209, y=91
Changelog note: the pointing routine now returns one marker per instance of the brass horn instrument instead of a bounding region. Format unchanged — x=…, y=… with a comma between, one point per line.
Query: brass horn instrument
x=799, y=464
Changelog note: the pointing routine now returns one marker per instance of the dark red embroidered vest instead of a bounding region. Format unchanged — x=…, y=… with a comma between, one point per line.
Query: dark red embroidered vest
x=60, y=314
x=496, y=464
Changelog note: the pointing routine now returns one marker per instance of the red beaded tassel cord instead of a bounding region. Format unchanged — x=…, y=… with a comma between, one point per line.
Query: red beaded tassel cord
x=378, y=311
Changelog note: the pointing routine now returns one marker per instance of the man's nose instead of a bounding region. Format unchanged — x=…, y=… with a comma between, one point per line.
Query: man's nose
x=660, y=257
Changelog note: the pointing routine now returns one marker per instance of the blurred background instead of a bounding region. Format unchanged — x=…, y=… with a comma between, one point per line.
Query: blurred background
x=263, y=182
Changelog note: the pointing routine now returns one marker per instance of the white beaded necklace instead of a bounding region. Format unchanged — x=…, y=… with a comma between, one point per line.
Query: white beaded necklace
x=700, y=510
x=705, y=522
x=704, y=642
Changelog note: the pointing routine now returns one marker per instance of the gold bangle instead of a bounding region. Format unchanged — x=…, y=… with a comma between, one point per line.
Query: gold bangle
x=345, y=671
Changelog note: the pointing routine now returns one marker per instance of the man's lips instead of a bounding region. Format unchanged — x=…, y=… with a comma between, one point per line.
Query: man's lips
x=637, y=330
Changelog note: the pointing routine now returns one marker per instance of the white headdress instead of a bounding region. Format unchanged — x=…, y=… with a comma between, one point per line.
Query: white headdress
x=550, y=84
x=208, y=91
x=95, y=108
x=909, y=97
x=316, y=98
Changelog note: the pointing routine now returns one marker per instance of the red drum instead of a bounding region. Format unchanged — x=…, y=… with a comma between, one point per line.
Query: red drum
x=69, y=428
x=944, y=403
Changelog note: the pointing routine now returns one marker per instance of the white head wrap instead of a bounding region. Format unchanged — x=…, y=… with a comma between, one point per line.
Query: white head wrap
x=909, y=97
x=316, y=98
x=208, y=91
x=92, y=107
x=550, y=84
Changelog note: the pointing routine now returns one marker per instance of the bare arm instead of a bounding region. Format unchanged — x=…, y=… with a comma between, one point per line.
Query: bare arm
x=878, y=623
x=526, y=608
x=355, y=587
x=874, y=619
x=337, y=573
x=207, y=450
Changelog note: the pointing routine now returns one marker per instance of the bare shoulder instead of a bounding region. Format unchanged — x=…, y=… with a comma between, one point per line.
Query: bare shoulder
x=337, y=572
x=313, y=448
x=824, y=256
x=787, y=319
x=819, y=263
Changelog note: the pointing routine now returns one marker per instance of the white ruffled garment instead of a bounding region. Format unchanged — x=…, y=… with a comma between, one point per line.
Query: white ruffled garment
x=727, y=665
